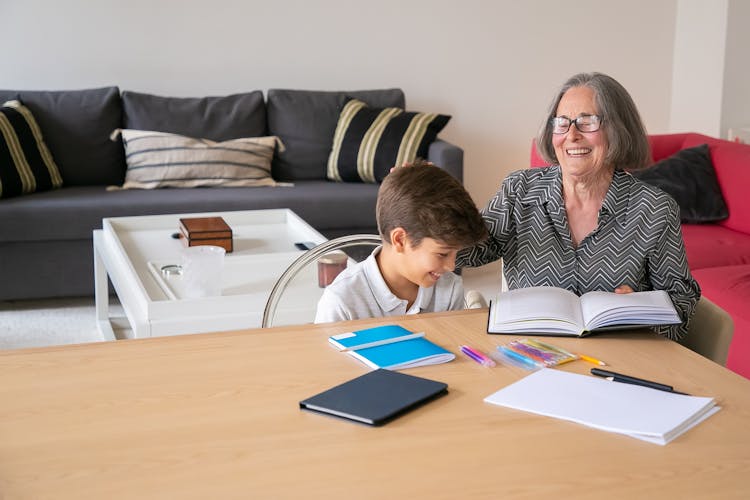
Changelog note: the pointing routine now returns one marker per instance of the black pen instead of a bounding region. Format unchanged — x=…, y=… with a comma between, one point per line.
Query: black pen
x=627, y=379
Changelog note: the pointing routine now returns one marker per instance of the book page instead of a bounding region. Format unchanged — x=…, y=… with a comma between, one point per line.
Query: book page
x=602, y=309
x=537, y=307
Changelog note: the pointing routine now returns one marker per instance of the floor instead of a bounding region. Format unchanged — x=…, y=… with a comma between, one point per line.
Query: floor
x=38, y=323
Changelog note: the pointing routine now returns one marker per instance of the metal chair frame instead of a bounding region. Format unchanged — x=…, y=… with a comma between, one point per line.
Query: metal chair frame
x=306, y=258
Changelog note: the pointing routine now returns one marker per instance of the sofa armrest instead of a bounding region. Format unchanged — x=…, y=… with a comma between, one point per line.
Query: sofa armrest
x=448, y=157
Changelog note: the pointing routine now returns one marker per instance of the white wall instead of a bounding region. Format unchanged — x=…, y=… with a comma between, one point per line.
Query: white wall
x=735, y=106
x=699, y=60
x=492, y=65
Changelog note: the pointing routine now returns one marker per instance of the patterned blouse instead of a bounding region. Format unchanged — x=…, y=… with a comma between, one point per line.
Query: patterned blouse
x=637, y=242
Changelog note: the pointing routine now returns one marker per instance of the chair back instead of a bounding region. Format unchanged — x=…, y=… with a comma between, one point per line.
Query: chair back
x=710, y=332
x=311, y=257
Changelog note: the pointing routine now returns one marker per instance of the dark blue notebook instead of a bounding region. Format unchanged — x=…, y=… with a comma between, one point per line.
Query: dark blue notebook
x=375, y=397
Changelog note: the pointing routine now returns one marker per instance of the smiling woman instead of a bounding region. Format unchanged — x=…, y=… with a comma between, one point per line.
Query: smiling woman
x=583, y=224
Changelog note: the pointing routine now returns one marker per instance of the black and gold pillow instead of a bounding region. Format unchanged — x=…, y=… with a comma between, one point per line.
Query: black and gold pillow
x=26, y=165
x=368, y=142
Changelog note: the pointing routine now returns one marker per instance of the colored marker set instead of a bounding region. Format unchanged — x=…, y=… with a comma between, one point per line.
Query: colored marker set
x=531, y=354
x=528, y=354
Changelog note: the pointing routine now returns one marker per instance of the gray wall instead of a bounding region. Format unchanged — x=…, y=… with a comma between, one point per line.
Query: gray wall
x=492, y=65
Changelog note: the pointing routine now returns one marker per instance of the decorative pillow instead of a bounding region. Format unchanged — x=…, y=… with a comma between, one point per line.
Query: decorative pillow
x=368, y=142
x=159, y=159
x=305, y=121
x=216, y=118
x=689, y=177
x=26, y=165
x=76, y=126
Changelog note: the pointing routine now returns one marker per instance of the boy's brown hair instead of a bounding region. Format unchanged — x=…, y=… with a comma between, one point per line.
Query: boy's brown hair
x=428, y=202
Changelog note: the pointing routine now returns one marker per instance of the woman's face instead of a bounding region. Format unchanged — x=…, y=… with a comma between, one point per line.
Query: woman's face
x=581, y=154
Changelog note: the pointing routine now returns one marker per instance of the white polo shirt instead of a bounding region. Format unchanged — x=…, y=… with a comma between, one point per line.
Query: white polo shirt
x=361, y=292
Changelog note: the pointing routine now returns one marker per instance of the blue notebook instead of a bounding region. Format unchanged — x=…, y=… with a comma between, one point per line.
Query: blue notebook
x=392, y=347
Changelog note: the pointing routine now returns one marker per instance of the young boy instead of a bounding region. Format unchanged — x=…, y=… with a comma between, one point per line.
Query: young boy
x=425, y=217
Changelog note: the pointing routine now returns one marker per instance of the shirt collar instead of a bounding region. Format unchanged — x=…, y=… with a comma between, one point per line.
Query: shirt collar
x=617, y=199
x=548, y=190
x=384, y=296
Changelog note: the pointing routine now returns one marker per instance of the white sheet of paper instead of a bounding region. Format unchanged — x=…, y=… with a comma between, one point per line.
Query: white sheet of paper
x=648, y=414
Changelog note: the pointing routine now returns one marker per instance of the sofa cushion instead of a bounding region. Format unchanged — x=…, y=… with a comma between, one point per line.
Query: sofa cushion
x=160, y=159
x=689, y=177
x=305, y=121
x=215, y=118
x=712, y=245
x=665, y=145
x=368, y=142
x=72, y=213
x=729, y=288
x=26, y=165
x=76, y=125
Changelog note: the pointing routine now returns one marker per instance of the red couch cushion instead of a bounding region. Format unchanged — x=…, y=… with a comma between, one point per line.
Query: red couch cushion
x=711, y=245
x=729, y=288
x=665, y=145
x=536, y=158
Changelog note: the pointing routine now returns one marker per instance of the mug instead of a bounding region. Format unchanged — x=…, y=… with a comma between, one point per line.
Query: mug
x=202, y=268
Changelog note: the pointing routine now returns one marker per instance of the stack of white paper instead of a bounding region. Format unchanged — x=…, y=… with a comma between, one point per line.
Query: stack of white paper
x=644, y=413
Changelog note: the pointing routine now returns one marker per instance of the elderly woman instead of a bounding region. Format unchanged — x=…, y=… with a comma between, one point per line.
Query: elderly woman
x=584, y=223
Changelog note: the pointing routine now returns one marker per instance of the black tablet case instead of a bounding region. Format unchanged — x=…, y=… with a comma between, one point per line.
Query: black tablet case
x=376, y=397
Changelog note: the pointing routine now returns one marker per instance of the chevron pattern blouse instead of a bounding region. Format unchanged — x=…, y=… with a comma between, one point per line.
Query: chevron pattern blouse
x=638, y=241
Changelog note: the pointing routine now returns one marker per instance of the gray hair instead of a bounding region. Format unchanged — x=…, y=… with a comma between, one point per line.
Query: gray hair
x=626, y=135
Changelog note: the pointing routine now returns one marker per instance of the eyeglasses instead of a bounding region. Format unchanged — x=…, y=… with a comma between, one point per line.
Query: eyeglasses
x=584, y=123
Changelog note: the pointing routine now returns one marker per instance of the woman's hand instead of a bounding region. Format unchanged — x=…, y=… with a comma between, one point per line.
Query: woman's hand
x=623, y=289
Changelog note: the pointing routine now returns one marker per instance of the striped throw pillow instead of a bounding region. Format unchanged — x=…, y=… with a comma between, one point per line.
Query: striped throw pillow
x=368, y=142
x=26, y=165
x=160, y=159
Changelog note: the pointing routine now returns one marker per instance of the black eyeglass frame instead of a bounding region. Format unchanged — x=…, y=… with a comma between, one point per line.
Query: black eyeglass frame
x=598, y=120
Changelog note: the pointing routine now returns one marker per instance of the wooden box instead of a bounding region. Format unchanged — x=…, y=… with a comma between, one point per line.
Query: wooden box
x=206, y=231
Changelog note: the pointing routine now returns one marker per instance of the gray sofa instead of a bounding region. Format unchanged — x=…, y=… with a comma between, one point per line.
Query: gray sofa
x=46, y=237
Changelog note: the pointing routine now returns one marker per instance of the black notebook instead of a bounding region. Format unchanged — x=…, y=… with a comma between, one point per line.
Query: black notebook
x=376, y=397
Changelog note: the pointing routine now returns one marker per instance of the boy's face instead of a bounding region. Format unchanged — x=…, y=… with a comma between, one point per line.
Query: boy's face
x=425, y=263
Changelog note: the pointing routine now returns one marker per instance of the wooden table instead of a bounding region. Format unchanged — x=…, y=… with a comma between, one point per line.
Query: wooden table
x=216, y=416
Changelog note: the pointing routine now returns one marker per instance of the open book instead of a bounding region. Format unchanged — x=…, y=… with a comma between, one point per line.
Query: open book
x=555, y=311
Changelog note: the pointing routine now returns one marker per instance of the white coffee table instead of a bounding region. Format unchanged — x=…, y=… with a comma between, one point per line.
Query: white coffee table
x=130, y=251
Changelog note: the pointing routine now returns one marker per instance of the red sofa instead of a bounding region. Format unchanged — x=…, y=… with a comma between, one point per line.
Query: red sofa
x=718, y=253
